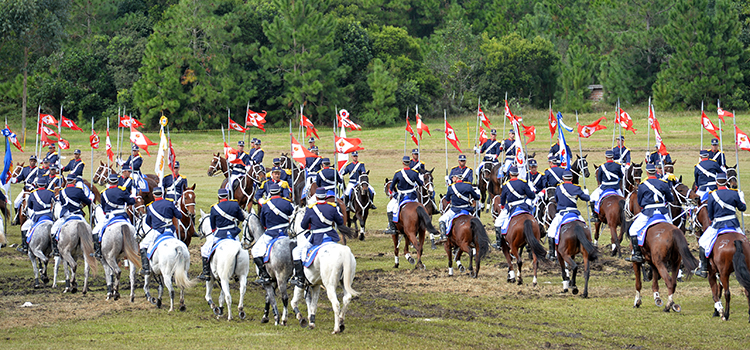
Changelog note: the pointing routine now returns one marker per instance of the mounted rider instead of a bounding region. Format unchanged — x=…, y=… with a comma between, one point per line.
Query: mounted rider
x=516, y=196
x=224, y=217
x=459, y=196
x=355, y=169
x=491, y=149
x=52, y=157
x=609, y=177
x=39, y=206
x=705, y=175
x=275, y=217
x=115, y=200
x=722, y=206
x=716, y=154
x=257, y=154
x=27, y=176
x=72, y=200
x=465, y=173
x=658, y=159
x=126, y=181
x=238, y=165
x=264, y=192
x=653, y=196
x=162, y=217
x=54, y=180
x=286, y=174
x=534, y=177
x=509, y=149
x=404, y=187
x=312, y=166
x=175, y=184
x=321, y=220
x=621, y=154
x=310, y=143
x=135, y=161
x=554, y=151
x=553, y=175
x=76, y=165
x=328, y=177
x=566, y=196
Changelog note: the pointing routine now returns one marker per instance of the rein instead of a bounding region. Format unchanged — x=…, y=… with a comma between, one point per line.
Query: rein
x=185, y=212
x=213, y=168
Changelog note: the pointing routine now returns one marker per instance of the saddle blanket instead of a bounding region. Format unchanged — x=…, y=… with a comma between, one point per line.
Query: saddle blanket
x=110, y=222
x=68, y=219
x=653, y=220
x=568, y=218
x=161, y=238
x=605, y=194
x=267, y=258
x=313, y=253
x=450, y=222
x=213, y=248
x=506, y=222
x=400, y=205
x=720, y=232
x=33, y=228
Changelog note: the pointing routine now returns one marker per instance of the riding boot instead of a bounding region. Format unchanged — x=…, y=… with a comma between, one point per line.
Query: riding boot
x=552, y=253
x=637, y=256
x=97, y=246
x=263, y=277
x=391, y=225
x=145, y=267
x=55, y=251
x=206, y=274
x=443, y=230
x=299, y=274
x=702, y=271
x=24, y=247
x=372, y=203
x=499, y=239
x=594, y=215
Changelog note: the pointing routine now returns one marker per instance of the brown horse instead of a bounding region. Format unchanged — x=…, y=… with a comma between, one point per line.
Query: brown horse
x=485, y=185
x=103, y=171
x=575, y=237
x=218, y=164
x=244, y=192
x=633, y=177
x=298, y=176
x=413, y=221
x=730, y=254
x=612, y=213
x=359, y=206
x=522, y=230
x=186, y=206
x=468, y=235
x=426, y=193
x=663, y=248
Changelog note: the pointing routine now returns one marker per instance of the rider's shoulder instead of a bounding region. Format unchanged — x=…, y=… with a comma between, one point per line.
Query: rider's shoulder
x=168, y=199
x=122, y=188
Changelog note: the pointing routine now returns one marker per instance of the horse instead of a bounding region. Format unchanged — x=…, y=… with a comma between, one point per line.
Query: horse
x=426, y=193
x=298, y=177
x=186, y=206
x=118, y=241
x=468, y=235
x=40, y=248
x=244, y=192
x=104, y=170
x=218, y=164
x=522, y=230
x=484, y=183
x=412, y=223
x=359, y=206
x=612, y=213
x=575, y=237
x=75, y=240
x=102, y=173
x=172, y=259
x=729, y=254
x=580, y=168
x=633, y=176
x=663, y=248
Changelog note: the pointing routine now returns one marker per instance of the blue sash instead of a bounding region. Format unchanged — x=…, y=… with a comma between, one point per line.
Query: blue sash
x=216, y=245
x=161, y=238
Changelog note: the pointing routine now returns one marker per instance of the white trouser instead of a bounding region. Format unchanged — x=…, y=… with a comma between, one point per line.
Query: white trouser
x=232, y=179
x=206, y=247
x=138, y=181
x=502, y=219
x=507, y=163
x=19, y=199
x=27, y=225
x=554, y=226
x=595, y=194
x=392, y=205
x=707, y=238
x=350, y=186
x=638, y=223
x=447, y=217
x=308, y=182
x=149, y=239
x=303, y=245
x=259, y=249
x=58, y=223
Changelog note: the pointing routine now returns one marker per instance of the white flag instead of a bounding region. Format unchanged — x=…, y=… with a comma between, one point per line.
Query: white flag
x=161, y=158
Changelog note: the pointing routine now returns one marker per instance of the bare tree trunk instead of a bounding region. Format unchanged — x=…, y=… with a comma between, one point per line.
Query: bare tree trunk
x=25, y=91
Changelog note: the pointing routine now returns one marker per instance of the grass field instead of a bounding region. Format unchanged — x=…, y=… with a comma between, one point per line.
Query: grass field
x=398, y=307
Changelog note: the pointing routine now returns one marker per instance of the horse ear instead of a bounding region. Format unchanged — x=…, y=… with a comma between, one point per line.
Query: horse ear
x=193, y=188
x=368, y=172
x=386, y=180
x=586, y=155
x=680, y=178
x=674, y=162
x=431, y=170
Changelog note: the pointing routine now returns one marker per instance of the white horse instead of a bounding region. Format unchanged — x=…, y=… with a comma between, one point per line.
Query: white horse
x=230, y=260
x=75, y=241
x=40, y=248
x=334, y=262
x=118, y=241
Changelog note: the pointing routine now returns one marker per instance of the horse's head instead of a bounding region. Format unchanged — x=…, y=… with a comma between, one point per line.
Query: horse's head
x=258, y=172
x=732, y=176
x=187, y=201
x=634, y=176
x=215, y=165
x=285, y=161
x=139, y=209
x=204, y=224
x=17, y=170
x=363, y=187
x=669, y=168
x=428, y=180
x=444, y=205
x=583, y=165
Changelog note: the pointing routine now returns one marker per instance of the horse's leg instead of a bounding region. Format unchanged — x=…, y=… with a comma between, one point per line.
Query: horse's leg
x=420, y=249
x=54, y=273
x=655, y=283
x=312, y=304
x=241, y=302
x=597, y=226
x=271, y=298
x=511, y=270
x=637, y=271
x=86, y=271
x=519, y=261
x=395, y=250
x=615, y=238
x=449, y=250
x=285, y=302
x=267, y=305
x=715, y=291
x=561, y=261
x=161, y=292
x=297, y=296
x=573, y=274
x=586, y=273
x=227, y=296
x=35, y=268
x=724, y=275
x=535, y=265
x=334, y=299
x=132, y=270
x=146, y=289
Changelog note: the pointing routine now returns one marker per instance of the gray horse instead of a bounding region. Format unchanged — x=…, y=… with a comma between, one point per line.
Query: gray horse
x=40, y=249
x=118, y=241
x=75, y=241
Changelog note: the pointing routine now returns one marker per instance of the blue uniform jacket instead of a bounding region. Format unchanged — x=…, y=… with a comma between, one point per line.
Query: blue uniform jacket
x=115, y=199
x=28, y=174
x=514, y=194
x=654, y=201
x=321, y=227
x=354, y=169
x=169, y=184
x=286, y=174
x=460, y=194
x=566, y=195
x=222, y=219
x=239, y=169
x=509, y=146
x=721, y=207
x=609, y=176
x=491, y=148
x=328, y=178
x=257, y=156
x=40, y=201
x=705, y=173
x=159, y=214
x=405, y=182
x=313, y=165
x=126, y=183
x=417, y=165
x=275, y=216
x=135, y=163
x=536, y=180
x=466, y=173
x=655, y=158
x=718, y=156
x=555, y=150
x=54, y=182
x=75, y=166
x=264, y=190
x=622, y=155
x=53, y=158
x=553, y=176
x=73, y=199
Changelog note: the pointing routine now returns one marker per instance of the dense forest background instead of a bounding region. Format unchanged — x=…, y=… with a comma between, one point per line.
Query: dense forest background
x=192, y=59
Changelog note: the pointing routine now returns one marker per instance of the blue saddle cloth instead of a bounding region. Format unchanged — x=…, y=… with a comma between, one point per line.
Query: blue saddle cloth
x=516, y=211
x=604, y=194
x=721, y=231
x=69, y=219
x=400, y=205
x=450, y=222
x=653, y=220
x=313, y=252
x=267, y=258
x=33, y=228
x=567, y=218
x=216, y=245
x=160, y=238
x=110, y=222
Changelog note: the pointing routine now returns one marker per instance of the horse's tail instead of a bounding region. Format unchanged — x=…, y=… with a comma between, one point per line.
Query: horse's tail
x=481, y=240
x=182, y=265
x=688, y=259
x=87, y=245
x=130, y=246
x=740, y=266
x=534, y=245
x=350, y=265
x=585, y=243
x=425, y=221
x=623, y=222
x=347, y=231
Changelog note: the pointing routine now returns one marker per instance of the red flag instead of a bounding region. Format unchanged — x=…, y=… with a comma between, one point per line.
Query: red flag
x=108, y=147
x=411, y=132
x=708, y=125
x=14, y=139
x=139, y=138
x=483, y=118
x=256, y=119
x=586, y=131
x=47, y=119
x=49, y=132
x=94, y=140
x=529, y=132
x=660, y=143
x=482, y=136
x=450, y=134
x=347, y=144
x=126, y=121
x=741, y=138
x=652, y=121
x=723, y=113
x=231, y=155
x=172, y=157
x=309, y=127
x=46, y=140
x=625, y=121
x=63, y=143
x=422, y=127
x=69, y=124
x=552, y=123
x=299, y=153
x=343, y=118
x=236, y=126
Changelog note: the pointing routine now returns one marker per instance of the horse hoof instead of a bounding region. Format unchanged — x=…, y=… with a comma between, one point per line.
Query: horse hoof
x=311, y=326
x=461, y=269
x=410, y=260
x=303, y=322
x=45, y=279
x=66, y=290
x=658, y=302
x=585, y=295
x=520, y=281
x=242, y=315
x=264, y=319
x=564, y=291
x=395, y=266
x=716, y=313
x=132, y=298
x=117, y=296
x=574, y=290
x=723, y=318
x=534, y=284
x=283, y=323
x=152, y=300
x=341, y=328
x=158, y=303
x=84, y=293
x=221, y=310
x=511, y=280
x=676, y=308
x=216, y=311
x=74, y=290
x=637, y=304
x=183, y=308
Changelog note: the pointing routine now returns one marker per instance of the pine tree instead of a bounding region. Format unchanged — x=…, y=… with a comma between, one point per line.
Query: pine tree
x=382, y=109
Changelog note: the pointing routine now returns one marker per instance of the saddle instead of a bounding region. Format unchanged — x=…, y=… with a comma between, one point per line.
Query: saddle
x=653, y=220
x=313, y=253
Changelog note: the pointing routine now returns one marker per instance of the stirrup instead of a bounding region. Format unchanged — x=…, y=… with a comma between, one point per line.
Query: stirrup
x=635, y=258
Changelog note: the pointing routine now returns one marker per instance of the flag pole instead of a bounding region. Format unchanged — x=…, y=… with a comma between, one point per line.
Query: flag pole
x=407, y=120
x=614, y=126
x=504, y=116
x=291, y=154
x=119, y=130
x=476, y=137
x=36, y=138
x=737, y=166
x=92, y=152
x=229, y=127
x=721, y=138
x=580, y=150
x=648, y=129
x=445, y=126
x=702, y=125
x=419, y=139
x=105, y=146
x=244, y=136
x=301, y=110
x=59, y=121
x=618, y=114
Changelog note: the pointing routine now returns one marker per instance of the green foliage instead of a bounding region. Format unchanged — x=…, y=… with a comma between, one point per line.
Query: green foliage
x=382, y=110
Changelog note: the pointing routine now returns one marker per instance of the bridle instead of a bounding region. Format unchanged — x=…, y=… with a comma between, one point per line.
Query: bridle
x=362, y=189
x=102, y=173
x=425, y=190
x=185, y=212
x=214, y=167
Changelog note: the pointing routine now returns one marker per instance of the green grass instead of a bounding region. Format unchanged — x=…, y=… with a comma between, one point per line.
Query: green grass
x=397, y=308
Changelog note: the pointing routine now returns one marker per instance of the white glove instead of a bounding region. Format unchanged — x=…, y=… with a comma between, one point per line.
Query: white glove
x=13, y=180
x=476, y=150
x=742, y=196
x=586, y=191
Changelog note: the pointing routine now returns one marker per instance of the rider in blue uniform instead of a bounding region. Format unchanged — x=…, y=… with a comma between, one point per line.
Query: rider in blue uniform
x=466, y=173
x=286, y=174
x=160, y=216
x=459, y=196
x=705, y=175
x=416, y=164
x=620, y=153
x=491, y=149
x=535, y=178
x=27, y=176
x=658, y=159
x=175, y=184
x=39, y=204
x=258, y=154
x=115, y=200
x=609, y=176
x=54, y=180
x=514, y=196
x=509, y=151
x=653, y=195
x=126, y=180
x=321, y=219
x=275, y=217
x=328, y=177
x=566, y=195
x=76, y=164
x=553, y=175
x=404, y=186
x=52, y=157
x=223, y=218
x=312, y=166
x=355, y=169
x=239, y=170
x=72, y=200
x=264, y=192
x=311, y=143
x=554, y=151
x=716, y=154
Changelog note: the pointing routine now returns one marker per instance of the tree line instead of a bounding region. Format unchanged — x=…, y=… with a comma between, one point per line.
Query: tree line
x=192, y=59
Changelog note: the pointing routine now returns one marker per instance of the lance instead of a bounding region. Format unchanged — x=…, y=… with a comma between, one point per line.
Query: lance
x=580, y=150
x=737, y=159
x=419, y=139
x=476, y=137
x=702, y=125
x=721, y=138
x=405, y=136
x=36, y=138
x=91, y=220
x=648, y=129
x=291, y=154
x=229, y=126
x=445, y=126
x=105, y=146
x=505, y=116
x=244, y=136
